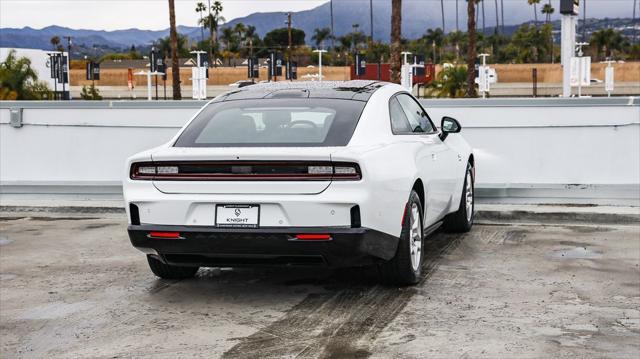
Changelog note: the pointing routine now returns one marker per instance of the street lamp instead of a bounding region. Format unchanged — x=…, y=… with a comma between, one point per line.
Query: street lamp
x=320, y=52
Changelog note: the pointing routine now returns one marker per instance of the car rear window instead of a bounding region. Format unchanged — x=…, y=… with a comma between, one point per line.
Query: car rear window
x=273, y=122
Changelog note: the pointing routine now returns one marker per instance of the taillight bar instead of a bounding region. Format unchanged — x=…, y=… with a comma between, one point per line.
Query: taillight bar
x=313, y=237
x=165, y=235
x=246, y=171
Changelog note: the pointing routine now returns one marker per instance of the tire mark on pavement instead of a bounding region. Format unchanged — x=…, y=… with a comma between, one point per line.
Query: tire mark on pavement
x=343, y=322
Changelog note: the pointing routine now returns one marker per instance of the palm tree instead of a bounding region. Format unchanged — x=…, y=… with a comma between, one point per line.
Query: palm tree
x=607, y=40
x=535, y=9
x=442, y=12
x=175, y=65
x=250, y=34
x=502, y=14
x=634, y=21
x=471, y=53
x=200, y=8
x=18, y=81
x=456, y=38
x=435, y=38
x=55, y=42
x=212, y=22
x=450, y=82
x=240, y=30
x=497, y=30
x=319, y=35
x=457, y=25
x=333, y=35
x=396, y=36
x=228, y=36
x=483, y=19
x=547, y=9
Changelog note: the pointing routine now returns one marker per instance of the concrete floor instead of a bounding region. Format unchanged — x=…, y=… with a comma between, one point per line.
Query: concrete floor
x=73, y=288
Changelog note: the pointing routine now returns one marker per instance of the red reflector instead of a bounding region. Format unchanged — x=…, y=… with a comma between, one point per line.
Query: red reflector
x=165, y=234
x=313, y=237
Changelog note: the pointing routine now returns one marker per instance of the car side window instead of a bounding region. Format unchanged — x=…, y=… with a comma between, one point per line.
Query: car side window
x=399, y=122
x=417, y=116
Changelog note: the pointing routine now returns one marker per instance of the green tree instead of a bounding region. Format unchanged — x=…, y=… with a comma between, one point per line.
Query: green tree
x=182, y=46
x=529, y=44
x=229, y=38
x=55, y=42
x=607, y=41
x=434, y=39
x=212, y=22
x=90, y=93
x=535, y=8
x=252, y=38
x=548, y=10
x=320, y=35
x=457, y=39
x=19, y=81
x=450, y=82
x=279, y=38
x=201, y=9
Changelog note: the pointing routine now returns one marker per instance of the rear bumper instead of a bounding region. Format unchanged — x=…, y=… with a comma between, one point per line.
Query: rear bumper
x=212, y=246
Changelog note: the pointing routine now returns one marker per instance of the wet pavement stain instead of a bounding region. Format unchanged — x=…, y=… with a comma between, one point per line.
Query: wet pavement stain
x=341, y=323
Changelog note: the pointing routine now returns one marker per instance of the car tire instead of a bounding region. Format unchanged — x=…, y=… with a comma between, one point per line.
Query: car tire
x=405, y=268
x=166, y=271
x=461, y=220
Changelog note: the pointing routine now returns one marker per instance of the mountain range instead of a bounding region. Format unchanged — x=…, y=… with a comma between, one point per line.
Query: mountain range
x=418, y=15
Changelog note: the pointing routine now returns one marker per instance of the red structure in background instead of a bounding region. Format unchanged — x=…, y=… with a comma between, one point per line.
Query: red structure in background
x=383, y=73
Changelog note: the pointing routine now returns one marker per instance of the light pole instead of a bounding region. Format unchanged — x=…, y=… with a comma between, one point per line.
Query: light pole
x=288, y=22
x=333, y=44
x=320, y=52
x=371, y=19
x=68, y=66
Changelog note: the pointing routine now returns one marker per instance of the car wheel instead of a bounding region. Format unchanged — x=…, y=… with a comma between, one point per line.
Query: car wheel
x=461, y=220
x=405, y=268
x=167, y=271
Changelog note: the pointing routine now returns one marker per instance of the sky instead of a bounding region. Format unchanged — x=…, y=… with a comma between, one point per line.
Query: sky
x=153, y=14
x=124, y=14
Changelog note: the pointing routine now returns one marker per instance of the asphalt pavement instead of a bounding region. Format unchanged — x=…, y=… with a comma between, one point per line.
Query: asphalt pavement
x=72, y=286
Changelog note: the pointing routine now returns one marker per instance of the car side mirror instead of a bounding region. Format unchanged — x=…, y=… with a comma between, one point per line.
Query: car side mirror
x=449, y=125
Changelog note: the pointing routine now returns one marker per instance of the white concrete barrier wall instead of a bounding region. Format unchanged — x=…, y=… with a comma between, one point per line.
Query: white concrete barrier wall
x=527, y=150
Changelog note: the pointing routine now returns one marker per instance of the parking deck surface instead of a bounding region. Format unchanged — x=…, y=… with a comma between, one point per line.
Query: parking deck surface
x=74, y=287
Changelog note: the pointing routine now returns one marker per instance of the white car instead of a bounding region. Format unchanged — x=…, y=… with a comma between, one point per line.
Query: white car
x=331, y=174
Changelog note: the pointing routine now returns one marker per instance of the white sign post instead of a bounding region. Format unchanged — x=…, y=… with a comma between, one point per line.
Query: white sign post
x=568, y=40
x=198, y=78
x=609, y=78
x=406, y=72
x=149, y=73
x=320, y=52
x=580, y=70
x=483, y=76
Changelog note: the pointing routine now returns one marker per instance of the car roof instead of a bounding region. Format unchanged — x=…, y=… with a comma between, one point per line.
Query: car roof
x=359, y=90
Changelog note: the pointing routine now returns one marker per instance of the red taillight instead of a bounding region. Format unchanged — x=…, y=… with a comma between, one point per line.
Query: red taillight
x=313, y=237
x=246, y=171
x=166, y=235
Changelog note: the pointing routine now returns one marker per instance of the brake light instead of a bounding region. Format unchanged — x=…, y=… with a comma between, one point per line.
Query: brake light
x=246, y=171
x=164, y=235
x=313, y=237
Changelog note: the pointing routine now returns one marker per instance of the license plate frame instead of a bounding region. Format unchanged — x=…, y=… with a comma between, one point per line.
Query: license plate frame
x=233, y=216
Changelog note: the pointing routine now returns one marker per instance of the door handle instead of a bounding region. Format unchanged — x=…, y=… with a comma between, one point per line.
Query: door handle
x=434, y=156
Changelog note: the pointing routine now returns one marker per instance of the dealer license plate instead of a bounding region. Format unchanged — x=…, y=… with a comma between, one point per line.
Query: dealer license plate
x=237, y=215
